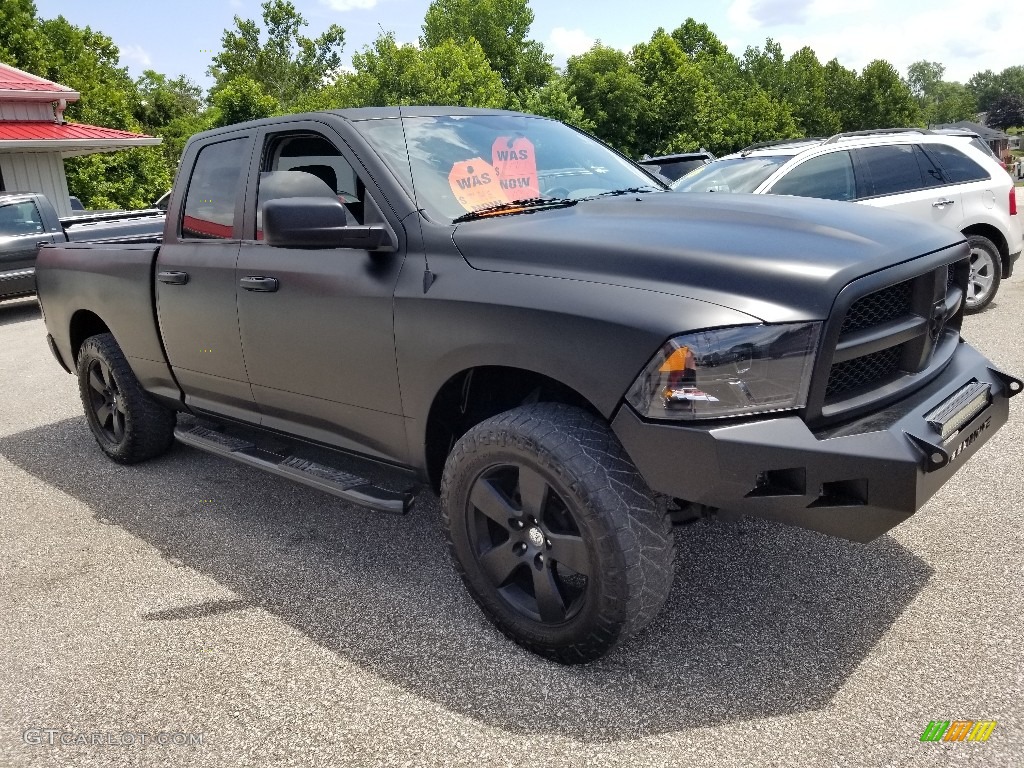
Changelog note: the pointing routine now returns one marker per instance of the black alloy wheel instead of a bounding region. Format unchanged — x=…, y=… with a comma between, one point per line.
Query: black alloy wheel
x=528, y=543
x=129, y=425
x=107, y=402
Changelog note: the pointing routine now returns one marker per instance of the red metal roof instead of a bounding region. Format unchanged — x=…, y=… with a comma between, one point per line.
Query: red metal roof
x=28, y=130
x=13, y=79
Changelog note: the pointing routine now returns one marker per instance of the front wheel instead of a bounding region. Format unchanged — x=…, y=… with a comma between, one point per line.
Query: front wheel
x=985, y=274
x=128, y=424
x=554, y=532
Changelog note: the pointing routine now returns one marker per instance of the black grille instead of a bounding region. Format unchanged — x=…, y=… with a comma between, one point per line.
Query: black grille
x=879, y=307
x=874, y=369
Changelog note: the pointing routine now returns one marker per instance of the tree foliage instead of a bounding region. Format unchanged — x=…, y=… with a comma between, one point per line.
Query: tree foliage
x=676, y=91
x=284, y=63
x=501, y=28
x=1007, y=111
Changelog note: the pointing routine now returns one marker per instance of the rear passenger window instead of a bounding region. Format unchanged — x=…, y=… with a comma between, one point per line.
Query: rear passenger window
x=957, y=166
x=893, y=169
x=829, y=177
x=210, y=203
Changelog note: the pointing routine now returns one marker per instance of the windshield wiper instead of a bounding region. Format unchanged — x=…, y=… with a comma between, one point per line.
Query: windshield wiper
x=515, y=206
x=628, y=191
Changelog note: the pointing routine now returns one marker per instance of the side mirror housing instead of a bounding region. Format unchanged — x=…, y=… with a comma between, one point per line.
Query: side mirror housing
x=317, y=222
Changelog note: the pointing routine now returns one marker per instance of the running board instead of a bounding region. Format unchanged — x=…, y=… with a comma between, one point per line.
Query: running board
x=353, y=489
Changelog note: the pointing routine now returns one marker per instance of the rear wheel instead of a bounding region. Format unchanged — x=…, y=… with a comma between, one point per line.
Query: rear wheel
x=554, y=532
x=985, y=273
x=128, y=424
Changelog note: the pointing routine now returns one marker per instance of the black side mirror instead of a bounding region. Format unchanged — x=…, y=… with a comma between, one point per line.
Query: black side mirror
x=317, y=222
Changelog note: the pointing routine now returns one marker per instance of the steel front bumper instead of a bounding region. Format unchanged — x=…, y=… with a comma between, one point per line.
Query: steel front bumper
x=855, y=481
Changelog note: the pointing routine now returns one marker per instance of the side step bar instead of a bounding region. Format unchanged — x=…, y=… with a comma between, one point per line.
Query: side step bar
x=353, y=489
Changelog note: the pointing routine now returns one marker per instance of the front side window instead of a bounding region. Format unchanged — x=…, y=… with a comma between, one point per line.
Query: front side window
x=210, y=202
x=307, y=165
x=460, y=164
x=828, y=176
x=19, y=219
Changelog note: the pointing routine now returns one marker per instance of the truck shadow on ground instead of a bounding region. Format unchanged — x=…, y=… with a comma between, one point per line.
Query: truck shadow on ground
x=763, y=620
x=19, y=311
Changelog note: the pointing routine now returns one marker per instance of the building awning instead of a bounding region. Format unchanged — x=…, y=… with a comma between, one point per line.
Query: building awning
x=70, y=139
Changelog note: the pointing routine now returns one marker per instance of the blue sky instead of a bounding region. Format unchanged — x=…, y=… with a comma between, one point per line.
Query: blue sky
x=177, y=36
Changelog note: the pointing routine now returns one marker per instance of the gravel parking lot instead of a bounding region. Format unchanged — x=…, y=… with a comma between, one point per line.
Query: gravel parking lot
x=262, y=623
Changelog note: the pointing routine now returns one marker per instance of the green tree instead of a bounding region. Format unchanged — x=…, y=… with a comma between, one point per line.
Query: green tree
x=986, y=88
x=286, y=65
x=241, y=99
x=610, y=93
x=501, y=28
x=939, y=101
x=21, y=42
x=388, y=73
x=554, y=99
x=1007, y=111
x=841, y=94
x=806, y=95
x=883, y=100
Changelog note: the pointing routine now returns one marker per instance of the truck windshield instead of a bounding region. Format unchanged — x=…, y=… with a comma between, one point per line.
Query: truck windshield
x=458, y=165
x=737, y=174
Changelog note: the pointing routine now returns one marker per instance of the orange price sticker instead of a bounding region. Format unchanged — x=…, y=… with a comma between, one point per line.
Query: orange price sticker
x=516, y=163
x=475, y=184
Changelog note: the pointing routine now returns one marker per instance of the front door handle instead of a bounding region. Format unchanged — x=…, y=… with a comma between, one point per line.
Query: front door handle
x=259, y=284
x=41, y=243
x=173, y=278
x=942, y=203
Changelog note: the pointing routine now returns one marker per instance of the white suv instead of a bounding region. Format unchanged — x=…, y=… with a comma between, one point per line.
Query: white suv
x=949, y=178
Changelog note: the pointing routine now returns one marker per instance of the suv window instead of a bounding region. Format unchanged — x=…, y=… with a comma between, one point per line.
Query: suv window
x=828, y=176
x=210, y=202
x=957, y=166
x=897, y=168
x=20, y=219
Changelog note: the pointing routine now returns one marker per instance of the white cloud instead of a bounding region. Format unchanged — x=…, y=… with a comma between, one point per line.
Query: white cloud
x=564, y=43
x=136, y=54
x=946, y=31
x=349, y=5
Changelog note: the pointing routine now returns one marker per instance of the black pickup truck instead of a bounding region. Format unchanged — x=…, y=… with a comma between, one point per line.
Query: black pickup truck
x=504, y=309
x=29, y=221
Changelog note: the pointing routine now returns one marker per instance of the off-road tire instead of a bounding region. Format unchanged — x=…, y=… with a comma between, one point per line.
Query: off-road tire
x=623, y=534
x=137, y=428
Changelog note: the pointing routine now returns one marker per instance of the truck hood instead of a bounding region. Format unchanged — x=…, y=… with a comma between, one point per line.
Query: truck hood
x=776, y=258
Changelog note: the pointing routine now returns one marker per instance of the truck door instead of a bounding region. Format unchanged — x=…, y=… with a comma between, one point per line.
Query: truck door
x=317, y=325
x=21, y=234
x=195, y=280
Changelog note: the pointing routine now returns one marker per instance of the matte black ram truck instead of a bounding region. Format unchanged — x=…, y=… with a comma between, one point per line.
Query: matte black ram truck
x=28, y=221
x=508, y=311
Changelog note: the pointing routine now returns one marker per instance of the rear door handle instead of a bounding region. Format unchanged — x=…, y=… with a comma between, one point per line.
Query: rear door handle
x=259, y=284
x=941, y=203
x=173, y=278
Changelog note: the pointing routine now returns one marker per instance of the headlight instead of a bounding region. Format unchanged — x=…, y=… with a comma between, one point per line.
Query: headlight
x=728, y=372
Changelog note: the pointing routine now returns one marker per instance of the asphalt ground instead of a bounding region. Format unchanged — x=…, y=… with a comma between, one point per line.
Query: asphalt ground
x=265, y=624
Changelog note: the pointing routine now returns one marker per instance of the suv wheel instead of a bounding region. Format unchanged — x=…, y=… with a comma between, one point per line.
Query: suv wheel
x=128, y=424
x=554, y=532
x=985, y=273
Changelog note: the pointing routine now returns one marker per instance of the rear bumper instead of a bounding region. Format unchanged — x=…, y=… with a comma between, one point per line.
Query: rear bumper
x=856, y=481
